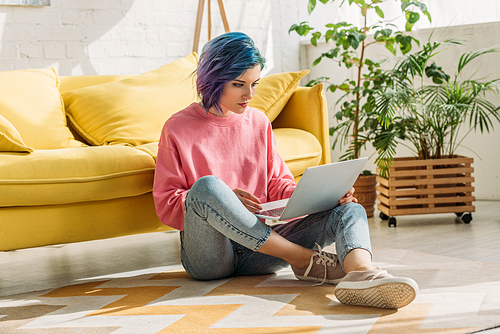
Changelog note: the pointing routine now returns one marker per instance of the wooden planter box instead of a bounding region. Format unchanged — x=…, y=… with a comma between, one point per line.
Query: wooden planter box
x=366, y=192
x=427, y=186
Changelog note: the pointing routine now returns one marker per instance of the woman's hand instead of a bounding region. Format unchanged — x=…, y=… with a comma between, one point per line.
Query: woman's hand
x=251, y=202
x=348, y=198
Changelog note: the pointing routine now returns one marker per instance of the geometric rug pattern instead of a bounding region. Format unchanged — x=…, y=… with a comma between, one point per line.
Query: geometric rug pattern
x=456, y=296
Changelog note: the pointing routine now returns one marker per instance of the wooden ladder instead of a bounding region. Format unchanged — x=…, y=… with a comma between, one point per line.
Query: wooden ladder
x=199, y=18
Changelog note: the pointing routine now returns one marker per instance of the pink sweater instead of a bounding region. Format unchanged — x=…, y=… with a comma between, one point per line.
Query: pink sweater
x=239, y=149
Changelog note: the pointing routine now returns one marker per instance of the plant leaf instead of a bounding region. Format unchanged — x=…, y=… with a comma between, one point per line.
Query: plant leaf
x=426, y=13
x=332, y=88
x=353, y=40
x=405, y=5
x=345, y=87
x=470, y=56
x=390, y=47
x=311, y=6
x=317, y=61
x=413, y=17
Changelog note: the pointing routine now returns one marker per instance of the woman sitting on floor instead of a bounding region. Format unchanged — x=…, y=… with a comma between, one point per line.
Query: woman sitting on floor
x=217, y=161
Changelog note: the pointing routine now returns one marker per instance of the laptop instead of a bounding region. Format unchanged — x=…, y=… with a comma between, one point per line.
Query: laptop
x=319, y=189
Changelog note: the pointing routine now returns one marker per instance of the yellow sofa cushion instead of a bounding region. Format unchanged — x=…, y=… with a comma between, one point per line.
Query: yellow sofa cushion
x=298, y=148
x=10, y=139
x=69, y=83
x=149, y=148
x=31, y=102
x=132, y=111
x=274, y=91
x=73, y=175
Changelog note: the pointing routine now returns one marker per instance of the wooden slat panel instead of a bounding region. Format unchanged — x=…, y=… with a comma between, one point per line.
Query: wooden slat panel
x=384, y=191
x=383, y=181
x=405, y=162
x=419, y=211
x=384, y=209
x=416, y=192
x=401, y=183
x=427, y=201
x=423, y=172
x=384, y=200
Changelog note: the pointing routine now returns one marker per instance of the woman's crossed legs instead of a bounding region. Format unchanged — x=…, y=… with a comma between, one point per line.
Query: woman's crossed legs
x=221, y=238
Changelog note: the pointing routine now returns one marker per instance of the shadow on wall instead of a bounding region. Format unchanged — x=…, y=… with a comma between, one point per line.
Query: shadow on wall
x=57, y=36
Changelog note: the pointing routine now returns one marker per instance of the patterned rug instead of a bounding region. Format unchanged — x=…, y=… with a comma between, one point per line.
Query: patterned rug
x=456, y=296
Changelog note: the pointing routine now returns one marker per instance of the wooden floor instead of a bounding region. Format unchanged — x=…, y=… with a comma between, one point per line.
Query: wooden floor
x=49, y=267
x=54, y=266
x=445, y=234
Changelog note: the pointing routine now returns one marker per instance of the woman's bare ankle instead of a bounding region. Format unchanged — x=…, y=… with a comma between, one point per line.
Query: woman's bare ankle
x=358, y=260
x=303, y=261
x=296, y=255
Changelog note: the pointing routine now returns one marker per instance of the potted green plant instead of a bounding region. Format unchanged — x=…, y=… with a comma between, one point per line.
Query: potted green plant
x=356, y=114
x=428, y=117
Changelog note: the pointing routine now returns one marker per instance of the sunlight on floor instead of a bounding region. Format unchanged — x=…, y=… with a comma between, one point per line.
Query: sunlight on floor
x=53, y=266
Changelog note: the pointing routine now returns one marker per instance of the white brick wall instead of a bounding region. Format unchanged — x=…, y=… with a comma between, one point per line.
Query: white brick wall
x=84, y=37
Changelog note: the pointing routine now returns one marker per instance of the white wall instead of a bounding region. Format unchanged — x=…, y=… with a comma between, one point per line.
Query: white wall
x=444, y=13
x=83, y=37
x=485, y=149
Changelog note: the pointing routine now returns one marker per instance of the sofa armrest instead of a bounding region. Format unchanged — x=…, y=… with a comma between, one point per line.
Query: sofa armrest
x=307, y=110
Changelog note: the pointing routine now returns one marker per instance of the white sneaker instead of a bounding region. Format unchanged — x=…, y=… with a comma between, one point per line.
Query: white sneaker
x=376, y=288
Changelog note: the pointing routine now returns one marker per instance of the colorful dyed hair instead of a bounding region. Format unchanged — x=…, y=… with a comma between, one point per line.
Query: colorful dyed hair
x=222, y=60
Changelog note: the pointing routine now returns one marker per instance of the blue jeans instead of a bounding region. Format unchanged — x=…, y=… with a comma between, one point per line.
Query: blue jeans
x=221, y=237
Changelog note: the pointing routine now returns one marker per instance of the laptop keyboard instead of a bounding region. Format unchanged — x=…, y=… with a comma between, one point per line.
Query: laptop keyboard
x=273, y=212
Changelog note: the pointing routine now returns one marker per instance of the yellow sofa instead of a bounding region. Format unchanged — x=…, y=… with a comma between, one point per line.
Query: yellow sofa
x=77, y=153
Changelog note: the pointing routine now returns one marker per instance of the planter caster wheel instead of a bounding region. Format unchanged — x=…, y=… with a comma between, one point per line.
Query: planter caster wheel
x=459, y=214
x=383, y=216
x=467, y=218
x=392, y=221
